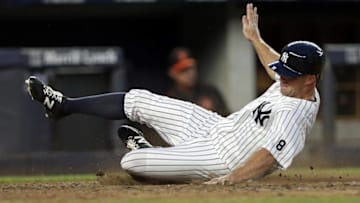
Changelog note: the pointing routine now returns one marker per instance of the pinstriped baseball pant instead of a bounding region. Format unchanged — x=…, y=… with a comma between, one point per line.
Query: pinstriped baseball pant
x=185, y=126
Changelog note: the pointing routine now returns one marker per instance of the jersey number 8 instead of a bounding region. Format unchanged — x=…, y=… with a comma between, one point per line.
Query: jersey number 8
x=280, y=145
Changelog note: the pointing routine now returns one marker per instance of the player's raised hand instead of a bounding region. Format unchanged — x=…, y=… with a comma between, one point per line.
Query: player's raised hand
x=250, y=23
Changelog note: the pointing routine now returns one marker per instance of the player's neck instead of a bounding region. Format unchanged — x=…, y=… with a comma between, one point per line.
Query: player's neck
x=307, y=93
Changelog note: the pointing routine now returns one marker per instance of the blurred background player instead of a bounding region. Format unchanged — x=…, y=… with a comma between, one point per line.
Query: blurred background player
x=186, y=86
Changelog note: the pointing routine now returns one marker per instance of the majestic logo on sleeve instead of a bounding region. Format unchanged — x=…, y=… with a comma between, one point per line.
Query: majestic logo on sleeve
x=260, y=114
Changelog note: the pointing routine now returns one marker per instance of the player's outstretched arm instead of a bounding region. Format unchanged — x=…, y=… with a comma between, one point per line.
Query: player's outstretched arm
x=258, y=165
x=251, y=32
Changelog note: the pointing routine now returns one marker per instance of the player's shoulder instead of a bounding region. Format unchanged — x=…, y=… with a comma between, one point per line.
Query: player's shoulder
x=274, y=87
x=292, y=103
x=298, y=108
x=286, y=103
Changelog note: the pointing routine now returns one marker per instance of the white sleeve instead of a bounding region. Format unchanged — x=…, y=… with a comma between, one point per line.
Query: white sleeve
x=286, y=137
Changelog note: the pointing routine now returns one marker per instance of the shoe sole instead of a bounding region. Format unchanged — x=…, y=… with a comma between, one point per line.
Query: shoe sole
x=132, y=129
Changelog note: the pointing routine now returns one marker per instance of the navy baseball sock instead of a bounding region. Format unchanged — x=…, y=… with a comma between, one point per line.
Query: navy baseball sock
x=109, y=106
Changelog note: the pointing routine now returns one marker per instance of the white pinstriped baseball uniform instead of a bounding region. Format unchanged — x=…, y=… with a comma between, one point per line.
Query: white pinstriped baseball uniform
x=205, y=144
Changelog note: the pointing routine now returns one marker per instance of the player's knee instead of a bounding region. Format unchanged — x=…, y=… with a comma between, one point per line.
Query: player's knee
x=126, y=162
x=135, y=93
x=134, y=162
x=132, y=100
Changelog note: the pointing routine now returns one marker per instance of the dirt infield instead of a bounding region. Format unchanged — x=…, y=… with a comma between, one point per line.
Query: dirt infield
x=118, y=186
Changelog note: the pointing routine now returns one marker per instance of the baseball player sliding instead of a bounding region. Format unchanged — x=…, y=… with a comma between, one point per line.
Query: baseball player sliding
x=264, y=135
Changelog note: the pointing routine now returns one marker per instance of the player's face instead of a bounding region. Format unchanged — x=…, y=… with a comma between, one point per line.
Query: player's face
x=291, y=87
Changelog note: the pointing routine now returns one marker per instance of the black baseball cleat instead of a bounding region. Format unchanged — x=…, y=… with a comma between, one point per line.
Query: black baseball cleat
x=132, y=138
x=51, y=99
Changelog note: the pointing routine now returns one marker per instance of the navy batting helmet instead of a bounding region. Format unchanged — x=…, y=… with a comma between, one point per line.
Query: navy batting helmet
x=299, y=58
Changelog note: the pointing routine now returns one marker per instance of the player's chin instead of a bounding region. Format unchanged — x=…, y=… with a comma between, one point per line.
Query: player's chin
x=287, y=91
x=284, y=89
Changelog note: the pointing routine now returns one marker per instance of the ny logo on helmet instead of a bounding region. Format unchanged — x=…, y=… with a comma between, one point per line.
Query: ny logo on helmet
x=284, y=57
x=260, y=114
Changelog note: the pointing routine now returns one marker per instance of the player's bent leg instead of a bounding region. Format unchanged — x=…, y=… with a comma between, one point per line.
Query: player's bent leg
x=197, y=160
x=175, y=121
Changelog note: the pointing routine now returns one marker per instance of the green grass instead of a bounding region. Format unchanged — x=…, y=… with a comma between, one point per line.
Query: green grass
x=47, y=178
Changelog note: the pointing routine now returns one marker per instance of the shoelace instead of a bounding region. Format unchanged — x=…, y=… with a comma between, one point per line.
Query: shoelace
x=55, y=95
x=132, y=145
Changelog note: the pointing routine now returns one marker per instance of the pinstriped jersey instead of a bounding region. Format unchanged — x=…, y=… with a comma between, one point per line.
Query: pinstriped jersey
x=273, y=121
